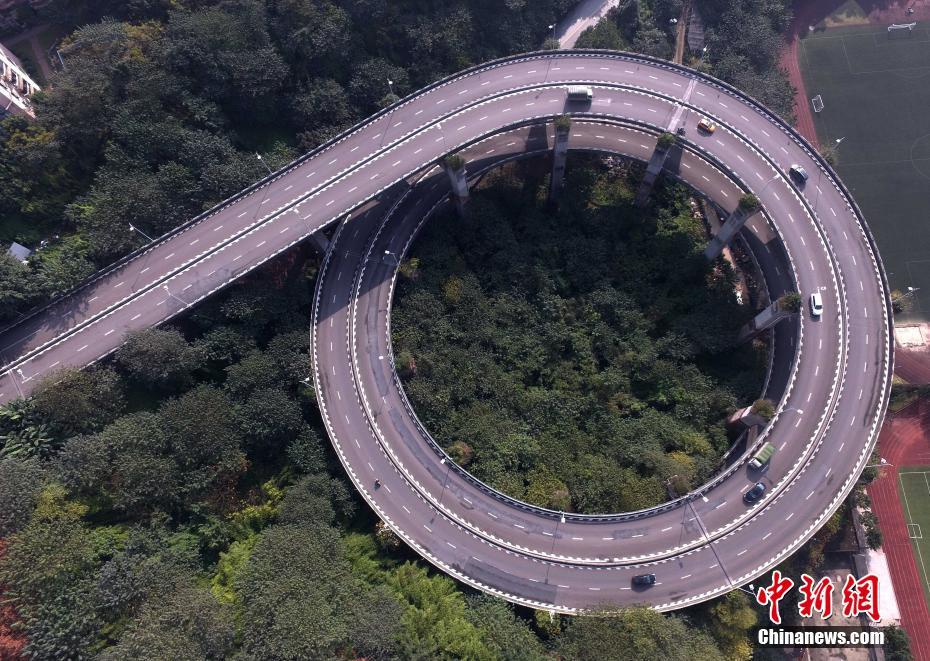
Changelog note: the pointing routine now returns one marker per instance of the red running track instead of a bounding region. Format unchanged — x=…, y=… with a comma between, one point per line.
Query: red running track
x=904, y=441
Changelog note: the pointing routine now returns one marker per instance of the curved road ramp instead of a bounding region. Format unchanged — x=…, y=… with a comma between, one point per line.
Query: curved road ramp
x=379, y=182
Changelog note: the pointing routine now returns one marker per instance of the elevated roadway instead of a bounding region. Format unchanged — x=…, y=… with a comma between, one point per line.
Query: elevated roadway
x=837, y=376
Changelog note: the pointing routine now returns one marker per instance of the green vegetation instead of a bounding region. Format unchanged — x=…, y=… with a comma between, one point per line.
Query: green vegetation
x=455, y=162
x=162, y=104
x=749, y=203
x=196, y=511
x=790, y=302
x=764, y=408
x=915, y=497
x=743, y=39
x=577, y=359
x=666, y=140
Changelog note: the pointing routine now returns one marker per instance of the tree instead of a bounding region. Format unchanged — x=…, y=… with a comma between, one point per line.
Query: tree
x=641, y=633
x=17, y=286
x=790, y=302
x=369, y=82
x=186, y=624
x=748, y=203
x=226, y=52
x=732, y=617
x=666, y=140
x=48, y=572
x=20, y=485
x=74, y=401
x=269, y=418
x=306, y=451
x=764, y=408
x=298, y=595
x=205, y=440
x=128, y=465
x=605, y=35
x=435, y=623
x=159, y=358
x=897, y=644
x=506, y=635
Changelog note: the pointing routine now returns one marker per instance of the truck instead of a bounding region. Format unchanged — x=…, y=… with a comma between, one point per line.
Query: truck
x=580, y=93
x=761, y=458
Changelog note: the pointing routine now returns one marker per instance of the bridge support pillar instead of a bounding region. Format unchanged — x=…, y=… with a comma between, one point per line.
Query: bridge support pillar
x=748, y=205
x=319, y=241
x=454, y=165
x=563, y=124
x=654, y=167
x=764, y=320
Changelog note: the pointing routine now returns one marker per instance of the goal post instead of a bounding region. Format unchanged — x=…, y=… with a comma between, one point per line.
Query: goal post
x=902, y=26
x=817, y=103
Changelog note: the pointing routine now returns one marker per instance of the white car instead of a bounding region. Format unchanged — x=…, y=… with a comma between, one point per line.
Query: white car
x=816, y=305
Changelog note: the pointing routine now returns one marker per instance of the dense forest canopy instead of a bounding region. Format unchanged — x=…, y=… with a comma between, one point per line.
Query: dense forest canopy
x=578, y=359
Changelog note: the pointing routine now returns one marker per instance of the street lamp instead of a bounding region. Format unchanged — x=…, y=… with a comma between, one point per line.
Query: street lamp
x=396, y=261
x=168, y=291
x=259, y=156
x=391, y=86
x=133, y=228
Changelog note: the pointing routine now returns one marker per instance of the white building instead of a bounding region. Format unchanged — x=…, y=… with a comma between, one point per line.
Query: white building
x=15, y=86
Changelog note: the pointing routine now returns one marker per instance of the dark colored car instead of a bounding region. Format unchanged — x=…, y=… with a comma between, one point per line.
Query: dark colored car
x=644, y=580
x=798, y=173
x=755, y=493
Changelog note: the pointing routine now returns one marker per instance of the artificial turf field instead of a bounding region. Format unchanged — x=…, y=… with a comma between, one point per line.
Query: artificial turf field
x=914, y=485
x=875, y=87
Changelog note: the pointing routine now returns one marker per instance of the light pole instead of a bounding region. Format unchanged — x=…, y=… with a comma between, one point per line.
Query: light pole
x=390, y=86
x=259, y=156
x=396, y=261
x=19, y=388
x=168, y=291
x=133, y=228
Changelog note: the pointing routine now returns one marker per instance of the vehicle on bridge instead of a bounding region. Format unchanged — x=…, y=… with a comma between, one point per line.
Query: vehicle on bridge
x=706, y=126
x=644, y=580
x=754, y=494
x=798, y=173
x=816, y=305
x=762, y=457
x=580, y=93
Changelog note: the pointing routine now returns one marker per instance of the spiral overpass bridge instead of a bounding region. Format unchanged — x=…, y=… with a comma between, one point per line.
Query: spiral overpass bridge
x=379, y=182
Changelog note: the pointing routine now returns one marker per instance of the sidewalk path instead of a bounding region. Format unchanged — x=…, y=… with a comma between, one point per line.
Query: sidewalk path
x=903, y=441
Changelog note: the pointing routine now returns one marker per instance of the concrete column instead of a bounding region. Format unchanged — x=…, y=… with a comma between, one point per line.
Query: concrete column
x=319, y=241
x=654, y=167
x=563, y=125
x=454, y=165
x=763, y=321
x=748, y=206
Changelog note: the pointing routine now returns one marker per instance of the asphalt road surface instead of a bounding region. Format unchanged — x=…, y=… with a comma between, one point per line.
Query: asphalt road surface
x=836, y=371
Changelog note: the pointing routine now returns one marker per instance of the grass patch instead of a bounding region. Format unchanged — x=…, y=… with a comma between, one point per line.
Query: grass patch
x=875, y=94
x=914, y=486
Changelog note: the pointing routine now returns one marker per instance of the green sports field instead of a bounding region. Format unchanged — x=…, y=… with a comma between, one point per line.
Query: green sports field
x=914, y=486
x=875, y=87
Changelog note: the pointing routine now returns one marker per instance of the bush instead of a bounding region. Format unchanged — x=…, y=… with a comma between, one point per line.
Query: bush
x=764, y=408
x=790, y=302
x=455, y=162
x=666, y=140
x=749, y=203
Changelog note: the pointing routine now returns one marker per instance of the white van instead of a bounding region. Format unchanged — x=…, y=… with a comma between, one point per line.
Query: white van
x=580, y=93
